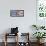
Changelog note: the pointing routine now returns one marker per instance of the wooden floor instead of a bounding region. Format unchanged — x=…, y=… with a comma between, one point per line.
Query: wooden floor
x=13, y=44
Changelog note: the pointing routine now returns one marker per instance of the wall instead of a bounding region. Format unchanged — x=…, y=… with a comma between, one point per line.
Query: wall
x=24, y=23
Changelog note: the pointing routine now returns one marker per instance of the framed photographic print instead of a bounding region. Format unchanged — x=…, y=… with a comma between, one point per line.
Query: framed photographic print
x=17, y=13
x=41, y=8
x=41, y=12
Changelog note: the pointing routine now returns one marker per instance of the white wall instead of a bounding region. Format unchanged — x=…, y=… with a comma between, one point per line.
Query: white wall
x=24, y=23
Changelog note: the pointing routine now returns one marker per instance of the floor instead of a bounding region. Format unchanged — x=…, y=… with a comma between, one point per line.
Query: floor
x=13, y=44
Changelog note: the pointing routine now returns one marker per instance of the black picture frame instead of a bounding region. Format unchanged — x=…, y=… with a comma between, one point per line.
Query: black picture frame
x=17, y=13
